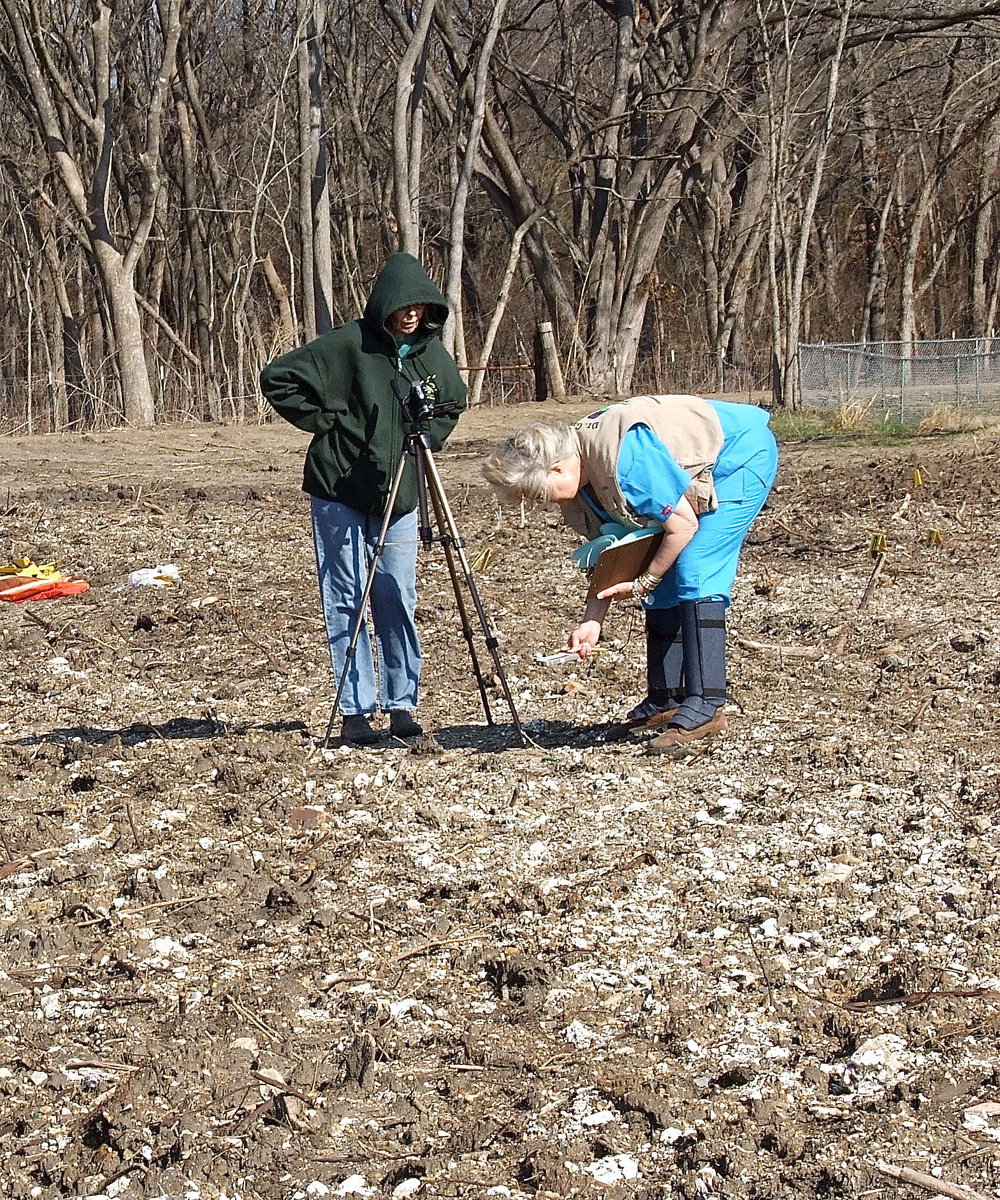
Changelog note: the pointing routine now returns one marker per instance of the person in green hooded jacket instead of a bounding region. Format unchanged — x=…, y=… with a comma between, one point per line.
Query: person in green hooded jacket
x=345, y=388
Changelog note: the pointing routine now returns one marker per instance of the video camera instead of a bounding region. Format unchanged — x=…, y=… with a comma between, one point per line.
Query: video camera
x=418, y=407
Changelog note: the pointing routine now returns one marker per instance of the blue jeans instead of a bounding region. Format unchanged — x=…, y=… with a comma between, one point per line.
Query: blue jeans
x=345, y=541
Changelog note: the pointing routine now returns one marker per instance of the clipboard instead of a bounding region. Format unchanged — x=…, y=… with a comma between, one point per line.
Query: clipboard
x=620, y=563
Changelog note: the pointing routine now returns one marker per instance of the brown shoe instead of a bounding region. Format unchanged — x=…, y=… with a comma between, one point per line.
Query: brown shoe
x=656, y=721
x=645, y=710
x=674, y=738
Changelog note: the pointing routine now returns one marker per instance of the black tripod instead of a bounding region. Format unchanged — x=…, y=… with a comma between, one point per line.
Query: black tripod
x=418, y=410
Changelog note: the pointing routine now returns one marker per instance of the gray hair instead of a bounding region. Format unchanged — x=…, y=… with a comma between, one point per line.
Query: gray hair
x=518, y=469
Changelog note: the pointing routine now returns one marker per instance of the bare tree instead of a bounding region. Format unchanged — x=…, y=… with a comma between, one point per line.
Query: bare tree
x=75, y=105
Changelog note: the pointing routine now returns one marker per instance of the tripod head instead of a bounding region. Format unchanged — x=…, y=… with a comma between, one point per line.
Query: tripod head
x=418, y=407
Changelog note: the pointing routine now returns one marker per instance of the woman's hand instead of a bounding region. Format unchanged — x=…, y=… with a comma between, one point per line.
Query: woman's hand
x=618, y=591
x=584, y=638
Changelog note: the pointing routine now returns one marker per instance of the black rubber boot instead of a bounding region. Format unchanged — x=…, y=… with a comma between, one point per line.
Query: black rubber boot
x=703, y=639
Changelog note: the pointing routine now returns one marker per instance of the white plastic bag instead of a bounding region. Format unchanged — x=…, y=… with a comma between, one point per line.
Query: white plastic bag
x=162, y=576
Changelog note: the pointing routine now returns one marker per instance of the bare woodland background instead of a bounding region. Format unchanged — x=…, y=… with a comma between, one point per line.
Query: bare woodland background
x=685, y=190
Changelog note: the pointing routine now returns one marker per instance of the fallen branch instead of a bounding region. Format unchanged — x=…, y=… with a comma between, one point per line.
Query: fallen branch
x=813, y=653
x=15, y=865
x=122, y=913
x=284, y=1088
x=98, y=1064
x=940, y=1187
x=238, y=1127
x=809, y=537
x=914, y=999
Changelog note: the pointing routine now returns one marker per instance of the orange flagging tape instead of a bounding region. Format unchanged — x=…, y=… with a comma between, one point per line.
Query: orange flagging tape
x=16, y=590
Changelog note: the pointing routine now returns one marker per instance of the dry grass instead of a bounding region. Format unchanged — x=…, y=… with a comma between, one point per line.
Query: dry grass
x=949, y=418
x=854, y=415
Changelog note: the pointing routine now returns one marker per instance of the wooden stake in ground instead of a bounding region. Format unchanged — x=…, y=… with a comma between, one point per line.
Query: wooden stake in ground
x=880, y=555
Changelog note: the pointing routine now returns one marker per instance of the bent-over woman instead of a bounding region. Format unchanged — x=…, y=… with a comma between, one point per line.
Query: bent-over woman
x=701, y=470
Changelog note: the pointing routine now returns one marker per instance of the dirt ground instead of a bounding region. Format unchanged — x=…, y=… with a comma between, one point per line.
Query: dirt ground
x=236, y=964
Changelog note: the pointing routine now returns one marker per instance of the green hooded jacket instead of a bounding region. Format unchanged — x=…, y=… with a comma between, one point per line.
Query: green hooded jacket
x=344, y=388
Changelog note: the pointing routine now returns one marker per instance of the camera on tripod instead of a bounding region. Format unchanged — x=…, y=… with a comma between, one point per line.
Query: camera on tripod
x=418, y=403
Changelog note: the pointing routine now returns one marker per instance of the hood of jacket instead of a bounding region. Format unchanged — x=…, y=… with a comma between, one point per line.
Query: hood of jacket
x=404, y=281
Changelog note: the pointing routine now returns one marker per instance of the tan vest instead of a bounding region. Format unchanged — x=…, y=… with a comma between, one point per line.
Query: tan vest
x=687, y=426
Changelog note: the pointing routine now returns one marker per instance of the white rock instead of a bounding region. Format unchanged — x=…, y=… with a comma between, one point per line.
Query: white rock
x=600, y=1118
x=355, y=1185
x=168, y=948
x=577, y=1034
x=399, y=1008
x=672, y=1136
x=171, y=816
x=409, y=1187
x=883, y=1053
x=616, y=1168
x=49, y=1004
x=983, y=1118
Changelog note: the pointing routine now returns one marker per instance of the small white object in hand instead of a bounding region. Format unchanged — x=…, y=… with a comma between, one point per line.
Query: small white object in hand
x=561, y=656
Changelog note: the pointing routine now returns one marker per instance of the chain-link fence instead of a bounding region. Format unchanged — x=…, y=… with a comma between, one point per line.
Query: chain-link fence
x=903, y=381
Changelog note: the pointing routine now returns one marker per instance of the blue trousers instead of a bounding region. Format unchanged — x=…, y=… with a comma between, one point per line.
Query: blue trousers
x=345, y=541
x=706, y=567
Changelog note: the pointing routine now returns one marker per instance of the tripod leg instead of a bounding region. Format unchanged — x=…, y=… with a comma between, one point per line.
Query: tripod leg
x=453, y=541
x=359, y=616
x=463, y=611
x=423, y=512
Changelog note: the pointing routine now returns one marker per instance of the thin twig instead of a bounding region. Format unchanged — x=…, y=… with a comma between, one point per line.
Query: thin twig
x=101, y=1065
x=760, y=963
x=284, y=1088
x=278, y=666
x=913, y=999
x=249, y=1016
x=131, y=821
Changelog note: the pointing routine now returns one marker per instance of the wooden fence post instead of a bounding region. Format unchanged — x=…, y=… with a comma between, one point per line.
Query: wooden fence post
x=550, y=359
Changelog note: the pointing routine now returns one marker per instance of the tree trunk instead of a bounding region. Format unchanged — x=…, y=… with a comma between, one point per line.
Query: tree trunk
x=195, y=238
x=984, y=249
x=314, y=190
x=453, y=283
x=793, y=303
x=138, y=407
x=407, y=134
